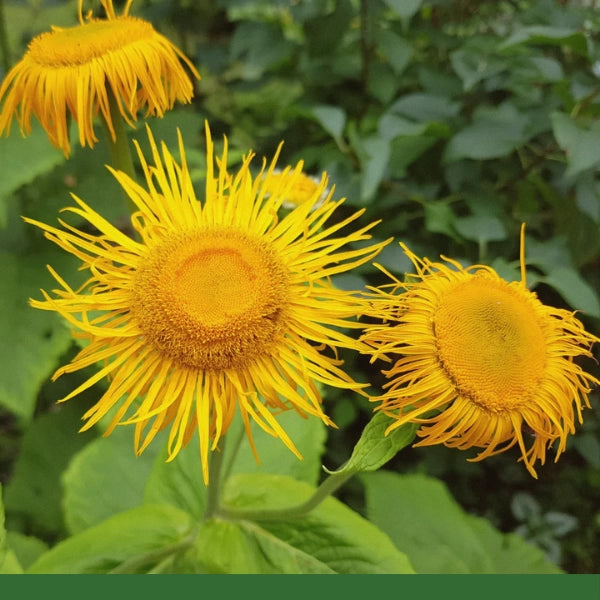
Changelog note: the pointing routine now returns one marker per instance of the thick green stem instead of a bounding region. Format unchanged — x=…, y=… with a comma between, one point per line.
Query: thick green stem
x=326, y=489
x=213, y=492
x=120, y=152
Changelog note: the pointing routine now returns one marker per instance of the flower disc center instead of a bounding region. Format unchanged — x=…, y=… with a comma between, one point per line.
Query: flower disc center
x=70, y=46
x=211, y=300
x=490, y=343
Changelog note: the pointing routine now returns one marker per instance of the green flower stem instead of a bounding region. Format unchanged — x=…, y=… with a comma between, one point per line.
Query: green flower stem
x=326, y=489
x=213, y=491
x=120, y=152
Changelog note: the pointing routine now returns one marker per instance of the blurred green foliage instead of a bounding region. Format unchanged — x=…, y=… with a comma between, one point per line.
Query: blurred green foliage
x=451, y=121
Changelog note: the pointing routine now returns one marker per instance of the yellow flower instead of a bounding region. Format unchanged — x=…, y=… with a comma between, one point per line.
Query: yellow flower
x=80, y=71
x=217, y=307
x=478, y=361
x=303, y=188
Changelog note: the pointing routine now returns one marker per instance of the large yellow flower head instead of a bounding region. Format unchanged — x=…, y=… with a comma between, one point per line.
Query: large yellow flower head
x=217, y=307
x=78, y=72
x=479, y=361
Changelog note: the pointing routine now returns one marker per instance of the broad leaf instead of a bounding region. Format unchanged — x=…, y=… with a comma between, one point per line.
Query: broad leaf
x=23, y=159
x=333, y=534
x=426, y=523
x=495, y=132
x=34, y=492
x=132, y=541
x=26, y=548
x=244, y=547
x=331, y=118
x=574, y=289
x=180, y=482
x=104, y=478
x=37, y=338
x=581, y=144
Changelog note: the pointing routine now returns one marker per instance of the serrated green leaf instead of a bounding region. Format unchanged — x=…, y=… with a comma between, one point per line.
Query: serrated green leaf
x=180, y=483
x=105, y=478
x=426, y=523
x=331, y=118
x=34, y=491
x=244, y=547
x=134, y=541
x=574, y=289
x=332, y=533
x=375, y=448
x=37, y=337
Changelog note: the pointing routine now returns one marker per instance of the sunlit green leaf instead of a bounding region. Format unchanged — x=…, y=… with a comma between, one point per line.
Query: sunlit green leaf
x=180, y=482
x=426, y=523
x=333, y=534
x=104, y=478
x=27, y=549
x=375, y=448
x=134, y=541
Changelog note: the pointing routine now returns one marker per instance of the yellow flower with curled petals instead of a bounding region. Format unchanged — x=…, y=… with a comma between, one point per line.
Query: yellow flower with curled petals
x=479, y=361
x=218, y=307
x=81, y=71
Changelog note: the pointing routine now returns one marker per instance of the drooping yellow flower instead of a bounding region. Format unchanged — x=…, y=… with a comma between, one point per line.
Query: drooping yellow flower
x=78, y=72
x=218, y=307
x=478, y=361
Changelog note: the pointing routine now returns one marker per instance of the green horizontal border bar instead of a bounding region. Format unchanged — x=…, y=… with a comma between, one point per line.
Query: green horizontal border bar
x=247, y=587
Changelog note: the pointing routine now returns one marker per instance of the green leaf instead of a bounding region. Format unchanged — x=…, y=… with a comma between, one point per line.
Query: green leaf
x=404, y=8
x=105, y=478
x=495, y=132
x=475, y=63
x=244, y=547
x=548, y=35
x=395, y=48
x=27, y=549
x=480, y=228
x=439, y=218
x=426, y=108
x=180, y=483
x=574, y=289
x=331, y=118
x=377, y=155
x=134, y=541
x=332, y=533
x=426, y=523
x=375, y=448
x=37, y=337
x=23, y=159
x=581, y=145
x=34, y=492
